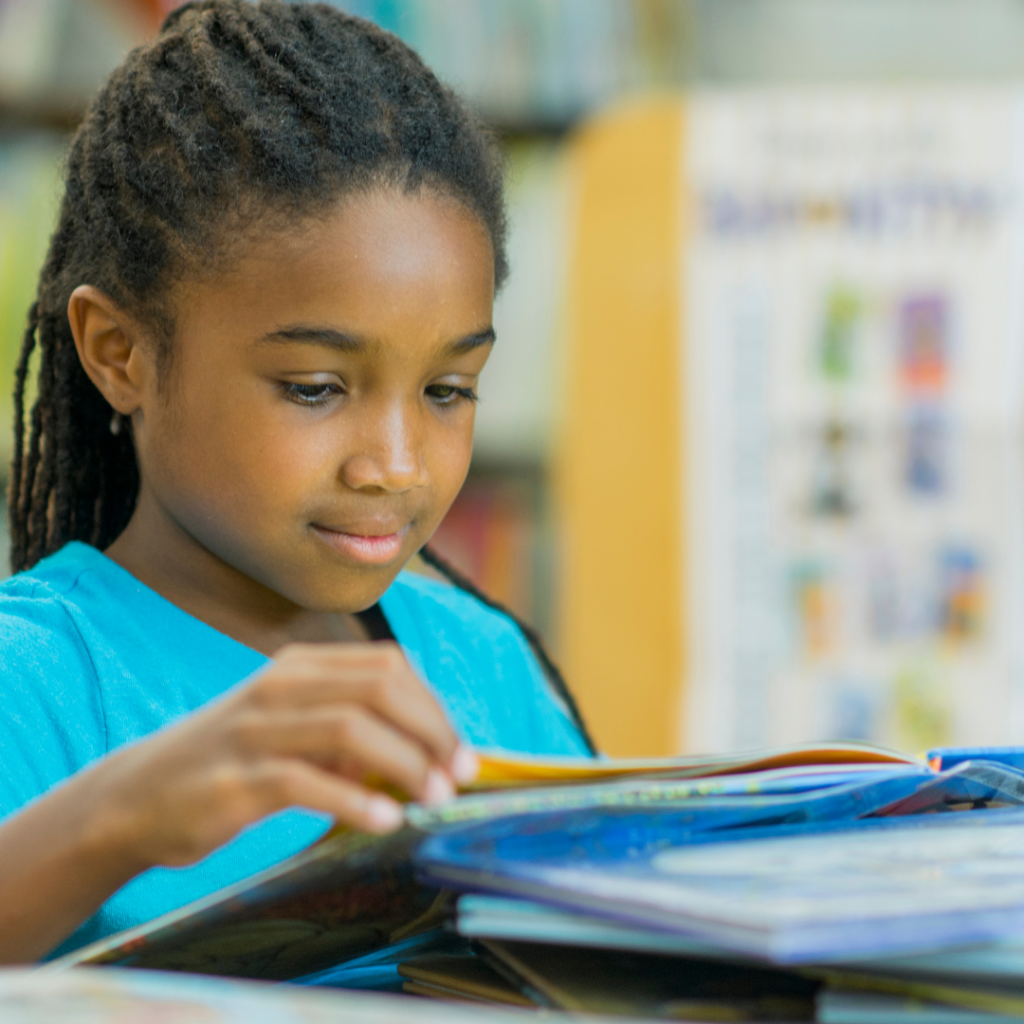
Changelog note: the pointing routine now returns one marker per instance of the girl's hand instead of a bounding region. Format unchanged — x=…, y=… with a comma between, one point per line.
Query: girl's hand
x=311, y=731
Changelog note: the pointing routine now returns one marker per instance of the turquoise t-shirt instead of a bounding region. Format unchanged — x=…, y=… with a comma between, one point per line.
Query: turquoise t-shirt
x=91, y=659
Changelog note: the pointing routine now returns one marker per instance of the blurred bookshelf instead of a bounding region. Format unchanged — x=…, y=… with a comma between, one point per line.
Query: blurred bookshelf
x=500, y=533
x=534, y=69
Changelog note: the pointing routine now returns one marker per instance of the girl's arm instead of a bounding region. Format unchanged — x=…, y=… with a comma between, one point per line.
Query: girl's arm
x=305, y=732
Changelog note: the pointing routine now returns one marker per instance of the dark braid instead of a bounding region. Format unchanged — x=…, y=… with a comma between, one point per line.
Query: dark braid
x=551, y=670
x=18, y=509
x=237, y=117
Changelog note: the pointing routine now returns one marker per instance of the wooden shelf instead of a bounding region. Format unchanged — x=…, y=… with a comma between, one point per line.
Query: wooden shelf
x=529, y=130
x=44, y=115
x=66, y=116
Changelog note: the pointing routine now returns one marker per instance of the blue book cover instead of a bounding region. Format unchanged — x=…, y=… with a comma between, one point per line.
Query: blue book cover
x=351, y=894
x=942, y=758
x=822, y=876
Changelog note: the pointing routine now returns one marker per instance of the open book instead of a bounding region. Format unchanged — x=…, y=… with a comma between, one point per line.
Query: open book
x=351, y=893
x=513, y=770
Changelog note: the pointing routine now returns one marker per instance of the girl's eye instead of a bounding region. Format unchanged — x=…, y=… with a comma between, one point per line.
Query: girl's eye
x=310, y=394
x=449, y=394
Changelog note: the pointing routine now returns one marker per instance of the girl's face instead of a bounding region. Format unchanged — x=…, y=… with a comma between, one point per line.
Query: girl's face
x=315, y=420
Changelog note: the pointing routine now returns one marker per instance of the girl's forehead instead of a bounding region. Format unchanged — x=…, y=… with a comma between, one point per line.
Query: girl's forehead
x=388, y=233
x=376, y=265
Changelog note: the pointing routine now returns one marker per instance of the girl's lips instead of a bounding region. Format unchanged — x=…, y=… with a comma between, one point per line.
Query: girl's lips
x=369, y=550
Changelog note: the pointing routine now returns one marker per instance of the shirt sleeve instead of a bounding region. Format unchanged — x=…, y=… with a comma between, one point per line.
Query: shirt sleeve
x=51, y=711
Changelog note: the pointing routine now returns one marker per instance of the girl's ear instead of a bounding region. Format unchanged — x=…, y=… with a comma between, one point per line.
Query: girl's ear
x=111, y=348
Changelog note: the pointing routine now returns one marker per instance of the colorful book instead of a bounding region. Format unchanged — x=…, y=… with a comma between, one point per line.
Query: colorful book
x=649, y=986
x=990, y=998
x=479, y=916
x=842, y=1007
x=351, y=894
x=500, y=770
x=467, y=978
x=794, y=888
x=947, y=757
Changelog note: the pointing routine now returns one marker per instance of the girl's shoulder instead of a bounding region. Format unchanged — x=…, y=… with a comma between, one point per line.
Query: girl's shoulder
x=36, y=612
x=78, y=623
x=73, y=596
x=52, y=721
x=52, y=578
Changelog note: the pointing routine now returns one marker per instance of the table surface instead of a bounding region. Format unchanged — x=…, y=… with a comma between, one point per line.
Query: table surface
x=110, y=995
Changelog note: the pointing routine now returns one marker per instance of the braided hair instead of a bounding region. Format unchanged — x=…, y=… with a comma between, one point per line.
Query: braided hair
x=237, y=116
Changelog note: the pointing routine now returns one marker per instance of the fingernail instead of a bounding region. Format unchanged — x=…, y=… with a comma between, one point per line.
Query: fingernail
x=383, y=813
x=438, y=788
x=465, y=765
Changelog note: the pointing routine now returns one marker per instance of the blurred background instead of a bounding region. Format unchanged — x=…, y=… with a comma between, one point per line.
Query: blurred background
x=749, y=446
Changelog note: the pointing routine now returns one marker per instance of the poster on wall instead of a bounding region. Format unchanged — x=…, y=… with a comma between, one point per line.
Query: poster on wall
x=853, y=372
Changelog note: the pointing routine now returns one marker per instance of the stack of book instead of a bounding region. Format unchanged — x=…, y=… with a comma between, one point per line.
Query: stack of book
x=836, y=883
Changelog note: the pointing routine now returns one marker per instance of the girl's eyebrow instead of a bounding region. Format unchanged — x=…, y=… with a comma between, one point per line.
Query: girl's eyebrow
x=472, y=341
x=309, y=335
x=329, y=337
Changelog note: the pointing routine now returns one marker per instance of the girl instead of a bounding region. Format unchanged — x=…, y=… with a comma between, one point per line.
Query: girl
x=262, y=319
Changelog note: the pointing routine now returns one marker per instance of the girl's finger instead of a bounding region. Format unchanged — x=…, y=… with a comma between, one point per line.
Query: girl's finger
x=376, y=675
x=281, y=783
x=347, y=736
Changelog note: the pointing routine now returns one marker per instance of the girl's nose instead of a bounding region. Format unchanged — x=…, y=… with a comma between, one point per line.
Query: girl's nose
x=390, y=457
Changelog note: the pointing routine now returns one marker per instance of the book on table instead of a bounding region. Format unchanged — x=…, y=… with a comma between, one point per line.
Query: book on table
x=351, y=893
x=670, y=859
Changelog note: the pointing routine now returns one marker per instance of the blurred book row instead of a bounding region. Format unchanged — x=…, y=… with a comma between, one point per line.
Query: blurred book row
x=527, y=64
x=541, y=63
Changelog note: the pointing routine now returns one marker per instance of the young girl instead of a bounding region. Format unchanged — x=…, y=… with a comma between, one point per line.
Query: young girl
x=261, y=323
